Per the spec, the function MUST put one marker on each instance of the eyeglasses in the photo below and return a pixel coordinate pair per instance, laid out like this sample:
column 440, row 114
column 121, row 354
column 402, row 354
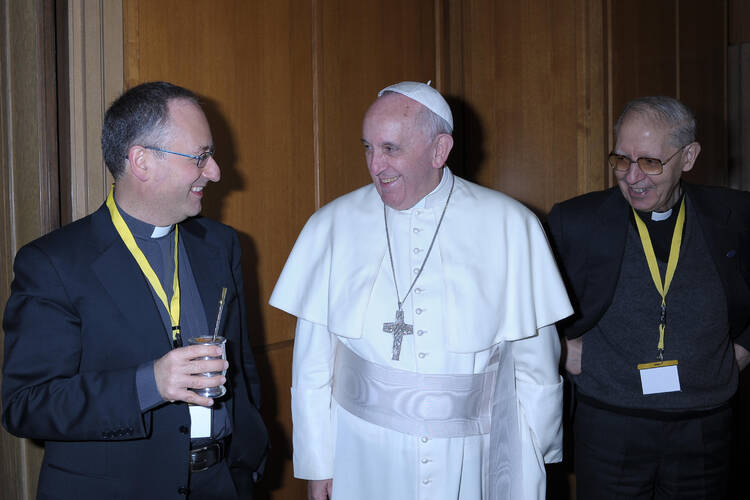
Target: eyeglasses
column 200, row 160
column 649, row 166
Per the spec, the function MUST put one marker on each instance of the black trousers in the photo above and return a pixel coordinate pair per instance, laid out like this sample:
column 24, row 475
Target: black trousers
column 214, row 483
column 625, row 457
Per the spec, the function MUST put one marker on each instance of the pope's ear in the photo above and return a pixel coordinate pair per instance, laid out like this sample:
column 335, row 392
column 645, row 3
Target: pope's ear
column 691, row 153
column 138, row 162
column 443, row 146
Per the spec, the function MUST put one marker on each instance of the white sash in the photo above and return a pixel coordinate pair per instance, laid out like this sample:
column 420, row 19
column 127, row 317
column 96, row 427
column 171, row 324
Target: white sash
column 436, row 406
column 440, row 406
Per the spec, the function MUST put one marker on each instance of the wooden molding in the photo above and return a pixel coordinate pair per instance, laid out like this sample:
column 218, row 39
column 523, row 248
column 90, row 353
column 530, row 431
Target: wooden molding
column 91, row 77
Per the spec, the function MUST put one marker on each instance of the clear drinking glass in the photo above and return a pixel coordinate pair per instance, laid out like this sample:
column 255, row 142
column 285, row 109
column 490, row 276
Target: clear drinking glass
column 219, row 390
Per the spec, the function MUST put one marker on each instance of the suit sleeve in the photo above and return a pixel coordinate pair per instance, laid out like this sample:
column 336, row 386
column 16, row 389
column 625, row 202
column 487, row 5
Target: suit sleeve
column 45, row 394
column 249, row 435
column 248, row 360
column 567, row 262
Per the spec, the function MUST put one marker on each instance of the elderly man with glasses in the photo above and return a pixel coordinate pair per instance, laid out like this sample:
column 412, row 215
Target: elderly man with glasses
column 659, row 273
column 97, row 361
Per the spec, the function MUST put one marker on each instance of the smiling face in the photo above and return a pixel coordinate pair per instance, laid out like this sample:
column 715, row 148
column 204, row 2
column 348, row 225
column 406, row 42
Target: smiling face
column 177, row 183
column 640, row 135
column 404, row 163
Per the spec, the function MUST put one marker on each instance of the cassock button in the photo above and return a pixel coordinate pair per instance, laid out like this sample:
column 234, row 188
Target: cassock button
column 416, row 230
column 421, row 332
column 424, row 439
column 418, row 310
column 418, row 290
column 415, row 270
column 425, row 481
column 422, row 355
column 424, row 460
column 184, row 429
column 416, row 251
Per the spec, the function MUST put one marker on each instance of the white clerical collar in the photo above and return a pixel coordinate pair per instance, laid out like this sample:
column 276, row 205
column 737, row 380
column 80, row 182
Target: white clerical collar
column 437, row 196
column 160, row 231
column 659, row 216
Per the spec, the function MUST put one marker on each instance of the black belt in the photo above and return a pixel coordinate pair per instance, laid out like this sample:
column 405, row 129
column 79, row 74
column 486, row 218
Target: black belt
column 208, row 455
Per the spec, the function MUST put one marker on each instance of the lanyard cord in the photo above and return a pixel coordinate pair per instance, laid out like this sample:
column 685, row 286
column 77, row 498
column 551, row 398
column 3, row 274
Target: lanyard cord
column 674, row 256
column 173, row 308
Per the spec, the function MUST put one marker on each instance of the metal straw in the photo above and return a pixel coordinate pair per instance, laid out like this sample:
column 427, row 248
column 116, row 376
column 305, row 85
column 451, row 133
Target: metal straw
column 221, row 308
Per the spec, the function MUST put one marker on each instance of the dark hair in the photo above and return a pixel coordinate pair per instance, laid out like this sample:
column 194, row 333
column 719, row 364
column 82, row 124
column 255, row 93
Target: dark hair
column 139, row 116
column 666, row 110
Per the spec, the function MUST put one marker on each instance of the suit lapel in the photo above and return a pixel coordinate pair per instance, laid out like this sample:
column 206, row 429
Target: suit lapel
column 206, row 263
column 713, row 220
column 120, row 275
column 607, row 246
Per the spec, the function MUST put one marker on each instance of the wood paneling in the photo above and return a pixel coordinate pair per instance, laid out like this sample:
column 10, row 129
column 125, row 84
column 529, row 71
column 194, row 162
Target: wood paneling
column 274, row 368
column 703, row 84
column 592, row 111
column 28, row 177
column 643, row 48
column 739, row 21
column 365, row 46
column 738, row 114
column 251, row 63
column 89, row 54
column 530, row 74
column 675, row 48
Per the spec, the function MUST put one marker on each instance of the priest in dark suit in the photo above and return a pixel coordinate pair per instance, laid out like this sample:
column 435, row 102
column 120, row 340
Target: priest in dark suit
column 659, row 273
column 97, row 361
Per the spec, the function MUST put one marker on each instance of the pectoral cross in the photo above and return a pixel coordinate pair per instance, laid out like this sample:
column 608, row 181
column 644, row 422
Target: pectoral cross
column 398, row 328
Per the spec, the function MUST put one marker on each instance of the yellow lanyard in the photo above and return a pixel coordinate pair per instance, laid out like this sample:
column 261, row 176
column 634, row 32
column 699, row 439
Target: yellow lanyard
column 674, row 256
column 172, row 308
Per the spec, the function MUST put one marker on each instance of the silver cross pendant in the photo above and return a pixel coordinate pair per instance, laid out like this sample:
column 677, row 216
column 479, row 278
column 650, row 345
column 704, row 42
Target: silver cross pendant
column 398, row 329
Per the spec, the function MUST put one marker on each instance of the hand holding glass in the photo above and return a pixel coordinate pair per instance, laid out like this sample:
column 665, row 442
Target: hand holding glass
column 219, row 390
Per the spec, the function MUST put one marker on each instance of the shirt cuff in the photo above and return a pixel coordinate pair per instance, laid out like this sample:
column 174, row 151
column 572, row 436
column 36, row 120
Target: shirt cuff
column 145, row 383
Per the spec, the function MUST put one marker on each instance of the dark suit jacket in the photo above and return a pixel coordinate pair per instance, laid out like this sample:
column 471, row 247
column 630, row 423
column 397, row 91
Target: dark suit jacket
column 80, row 320
column 588, row 235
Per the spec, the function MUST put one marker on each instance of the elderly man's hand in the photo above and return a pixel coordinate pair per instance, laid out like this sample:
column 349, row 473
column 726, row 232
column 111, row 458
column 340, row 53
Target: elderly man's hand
column 319, row 489
column 742, row 356
column 174, row 373
column 573, row 351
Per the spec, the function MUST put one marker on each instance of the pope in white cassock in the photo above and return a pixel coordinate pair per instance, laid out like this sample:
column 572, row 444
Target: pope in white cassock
column 426, row 357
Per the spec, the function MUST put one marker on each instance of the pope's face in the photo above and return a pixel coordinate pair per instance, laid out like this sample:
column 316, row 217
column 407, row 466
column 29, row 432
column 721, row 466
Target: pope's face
column 400, row 157
column 641, row 136
column 179, row 183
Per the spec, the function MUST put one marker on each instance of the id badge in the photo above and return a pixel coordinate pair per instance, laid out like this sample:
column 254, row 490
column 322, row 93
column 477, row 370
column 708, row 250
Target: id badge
column 200, row 421
column 659, row 376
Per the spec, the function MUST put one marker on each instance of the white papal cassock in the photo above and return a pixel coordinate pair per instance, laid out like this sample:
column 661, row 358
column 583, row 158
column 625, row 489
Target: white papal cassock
column 489, row 291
